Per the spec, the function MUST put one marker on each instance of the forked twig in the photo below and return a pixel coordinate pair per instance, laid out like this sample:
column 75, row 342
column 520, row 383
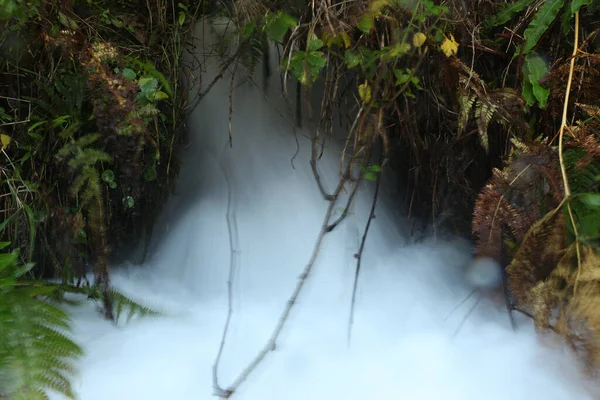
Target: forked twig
column 272, row 342
column 233, row 257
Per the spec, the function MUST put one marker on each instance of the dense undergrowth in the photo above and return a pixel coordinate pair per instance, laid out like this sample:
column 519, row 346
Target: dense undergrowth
column 488, row 112
column 91, row 115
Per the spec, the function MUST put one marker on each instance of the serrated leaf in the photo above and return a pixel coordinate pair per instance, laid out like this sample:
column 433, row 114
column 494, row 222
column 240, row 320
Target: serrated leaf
column 545, row 15
column 315, row 44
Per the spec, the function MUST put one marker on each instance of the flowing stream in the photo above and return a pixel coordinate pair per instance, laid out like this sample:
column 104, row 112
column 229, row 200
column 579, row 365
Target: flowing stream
column 246, row 207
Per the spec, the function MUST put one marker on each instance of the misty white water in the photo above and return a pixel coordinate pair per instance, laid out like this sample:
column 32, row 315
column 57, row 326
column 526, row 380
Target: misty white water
column 404, row 345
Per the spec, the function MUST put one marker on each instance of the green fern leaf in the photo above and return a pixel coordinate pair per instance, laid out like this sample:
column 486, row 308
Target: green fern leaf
column 508, row 12
column 541, row 21
column 466, row 104
column 36, row 352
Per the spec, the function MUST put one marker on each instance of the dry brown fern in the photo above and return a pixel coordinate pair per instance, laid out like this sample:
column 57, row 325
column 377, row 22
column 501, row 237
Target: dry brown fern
column 512, row 202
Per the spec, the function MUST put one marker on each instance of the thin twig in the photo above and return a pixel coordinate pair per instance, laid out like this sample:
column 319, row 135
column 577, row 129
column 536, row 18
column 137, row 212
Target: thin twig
column 233, row 257
column 360, row 251
column 231, row 106
column 467, row 315
column 272, row 342
column 216, row 78
column 346, row 210
column 463, row 301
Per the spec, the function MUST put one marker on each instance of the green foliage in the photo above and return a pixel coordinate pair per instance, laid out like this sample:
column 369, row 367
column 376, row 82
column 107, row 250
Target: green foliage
column 545, row 15
column 146, row 69
column 21, row 10
column 370, row 172
column 584, row 181
column 534, row 69
column 36, row 352
column 306, row 65
column 508, row 12
column 278, row 24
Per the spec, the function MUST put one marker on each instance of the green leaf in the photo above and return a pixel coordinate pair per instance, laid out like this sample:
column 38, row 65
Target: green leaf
column 128, row 201
column 534, row 69
column 31, row 219
column 315, row 59
column 129, row 73
column 589, row 226
column 577, row 4
column 248, row 29
column 366, row 23
column 314, row 45
column 148, row 85
column 528, row 92
column 278, row 26
column 157, row 95
column 545, row 15
column 508, row 12
column 181, row 18
column 150, row 174
column 399, row 50
column 590, row 199
column 108, row 176
column 351, row 58
column 401, row 77
column 370, row 176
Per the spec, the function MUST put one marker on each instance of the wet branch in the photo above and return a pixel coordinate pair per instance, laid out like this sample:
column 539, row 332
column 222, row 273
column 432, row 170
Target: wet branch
column 216, row 78
column 233, row 255
column 360, row 251
column 272, row 342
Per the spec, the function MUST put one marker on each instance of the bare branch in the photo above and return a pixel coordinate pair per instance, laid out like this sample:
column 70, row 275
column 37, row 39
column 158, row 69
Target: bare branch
column 272, row 342
column 360, row 252
column 233, row 258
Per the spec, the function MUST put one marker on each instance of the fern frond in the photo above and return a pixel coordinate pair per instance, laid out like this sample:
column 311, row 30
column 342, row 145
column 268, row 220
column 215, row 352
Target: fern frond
column 123, row 303
column 72, row 147
column 36, row 352
column 484, row 112
column 465, row 103
column 89, row 156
